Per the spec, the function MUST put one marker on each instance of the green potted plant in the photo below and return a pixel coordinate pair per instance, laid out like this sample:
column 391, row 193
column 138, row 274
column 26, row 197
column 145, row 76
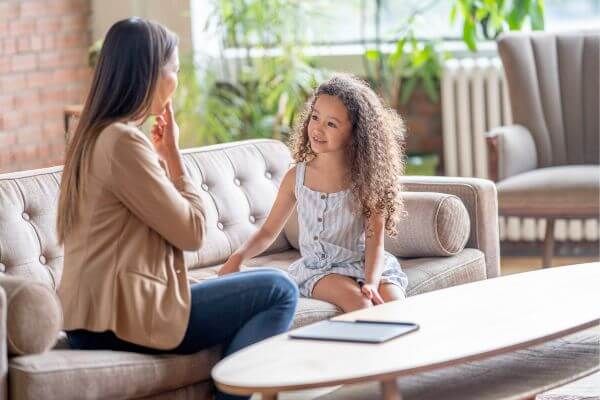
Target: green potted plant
column 487, row 19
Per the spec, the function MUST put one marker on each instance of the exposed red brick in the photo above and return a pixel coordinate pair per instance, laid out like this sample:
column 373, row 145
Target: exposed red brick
column 23, row 44
column 11, row 120
column 5, row 64
column 51, row 94
column 77, row 22
column 10, row 9
column 21, row 27
column 48, row 41
column 8, row 139
column 60, row 7
column 28, row 135
column 27, row 100
column 70, row 40
column 6, row 102
column 9, row 46
column 39, row 78
column 48, row 25
column 13, row 82
column 37, row 43
column 43, row 67
column 33, row 8
column 24, row 62
column 50, row 59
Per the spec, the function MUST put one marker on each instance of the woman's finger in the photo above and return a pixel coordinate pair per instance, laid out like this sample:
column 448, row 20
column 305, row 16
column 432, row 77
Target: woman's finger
column 170, row 118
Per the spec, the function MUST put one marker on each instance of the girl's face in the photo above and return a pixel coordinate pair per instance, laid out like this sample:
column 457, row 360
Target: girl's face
column 329, row 128
column 166, row 85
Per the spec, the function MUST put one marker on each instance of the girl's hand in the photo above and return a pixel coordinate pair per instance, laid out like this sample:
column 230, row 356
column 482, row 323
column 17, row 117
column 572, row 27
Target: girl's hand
column 370, row 291
column 165, row 133
column 233, row 264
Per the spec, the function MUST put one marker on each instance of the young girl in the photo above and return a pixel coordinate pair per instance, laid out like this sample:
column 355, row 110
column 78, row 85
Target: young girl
column 348, row 154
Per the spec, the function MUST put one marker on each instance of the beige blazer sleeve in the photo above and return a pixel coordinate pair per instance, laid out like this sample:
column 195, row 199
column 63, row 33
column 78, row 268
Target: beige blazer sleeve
column 173, row 209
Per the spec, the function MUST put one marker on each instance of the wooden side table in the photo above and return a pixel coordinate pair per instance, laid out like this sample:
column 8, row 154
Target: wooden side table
column 72, row 111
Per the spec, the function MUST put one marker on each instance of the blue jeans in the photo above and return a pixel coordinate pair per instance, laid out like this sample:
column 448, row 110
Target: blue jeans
column 235, row 311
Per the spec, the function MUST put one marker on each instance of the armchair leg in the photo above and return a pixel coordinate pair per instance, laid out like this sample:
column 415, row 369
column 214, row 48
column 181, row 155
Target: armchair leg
column 548, row 244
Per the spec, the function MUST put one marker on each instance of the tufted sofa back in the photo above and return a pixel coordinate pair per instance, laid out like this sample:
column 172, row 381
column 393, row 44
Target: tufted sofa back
column 237, row 181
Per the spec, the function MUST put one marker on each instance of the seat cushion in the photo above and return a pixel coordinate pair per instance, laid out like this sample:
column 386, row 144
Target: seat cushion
column 424, row 274
column 565, row 191
column 432, row 273
column 308, row 310
column 74, row 374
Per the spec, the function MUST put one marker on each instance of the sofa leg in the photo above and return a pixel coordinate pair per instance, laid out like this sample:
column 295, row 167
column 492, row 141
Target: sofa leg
column 548, row 244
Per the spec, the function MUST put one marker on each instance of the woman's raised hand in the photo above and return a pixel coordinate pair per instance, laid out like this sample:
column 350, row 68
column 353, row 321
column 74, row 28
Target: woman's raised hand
column 165, row 133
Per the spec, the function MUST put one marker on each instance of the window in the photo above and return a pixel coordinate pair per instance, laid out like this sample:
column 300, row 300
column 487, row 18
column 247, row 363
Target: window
column 353, row 21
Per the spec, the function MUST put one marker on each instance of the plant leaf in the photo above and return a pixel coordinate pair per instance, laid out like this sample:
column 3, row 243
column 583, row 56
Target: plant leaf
column 536, row 14
column 469, row 35
column 407, row 89
column 520, row 9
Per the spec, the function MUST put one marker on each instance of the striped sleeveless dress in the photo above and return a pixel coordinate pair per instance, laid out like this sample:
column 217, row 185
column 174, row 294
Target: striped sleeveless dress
column 332, row 239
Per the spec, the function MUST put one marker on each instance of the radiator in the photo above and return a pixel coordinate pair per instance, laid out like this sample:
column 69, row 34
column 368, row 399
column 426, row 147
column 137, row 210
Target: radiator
column 475, row 100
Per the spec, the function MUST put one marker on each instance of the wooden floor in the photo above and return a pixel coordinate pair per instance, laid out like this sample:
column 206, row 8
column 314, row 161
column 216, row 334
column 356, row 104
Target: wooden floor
column 513, row 264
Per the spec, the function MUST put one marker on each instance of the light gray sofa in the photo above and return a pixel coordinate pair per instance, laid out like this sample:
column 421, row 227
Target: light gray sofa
column 238, row 182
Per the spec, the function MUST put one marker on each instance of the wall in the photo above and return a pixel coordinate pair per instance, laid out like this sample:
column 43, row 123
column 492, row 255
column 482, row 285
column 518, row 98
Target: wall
column 174, row 14
column 43, row 67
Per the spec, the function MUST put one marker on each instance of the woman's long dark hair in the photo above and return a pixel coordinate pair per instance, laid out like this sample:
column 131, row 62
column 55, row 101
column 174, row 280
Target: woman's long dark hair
column 129, row 65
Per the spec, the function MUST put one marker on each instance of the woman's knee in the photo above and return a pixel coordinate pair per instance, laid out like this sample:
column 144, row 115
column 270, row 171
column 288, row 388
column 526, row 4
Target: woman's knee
column 283, row 282
column 273, row 278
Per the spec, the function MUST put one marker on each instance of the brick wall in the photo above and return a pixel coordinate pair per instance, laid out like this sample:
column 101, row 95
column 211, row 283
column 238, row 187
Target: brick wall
column 43, row 67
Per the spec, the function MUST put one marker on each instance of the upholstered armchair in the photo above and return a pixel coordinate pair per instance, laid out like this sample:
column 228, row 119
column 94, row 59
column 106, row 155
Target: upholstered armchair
column 547, row 164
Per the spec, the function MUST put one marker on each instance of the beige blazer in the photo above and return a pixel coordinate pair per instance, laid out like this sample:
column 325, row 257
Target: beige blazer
column 123, row 261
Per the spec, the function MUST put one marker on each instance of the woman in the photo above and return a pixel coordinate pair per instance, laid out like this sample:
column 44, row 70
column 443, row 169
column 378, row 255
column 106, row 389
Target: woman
column 127, row 211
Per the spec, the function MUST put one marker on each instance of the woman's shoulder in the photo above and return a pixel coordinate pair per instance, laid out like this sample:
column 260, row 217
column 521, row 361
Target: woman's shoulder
column 119, row 133
column 120, row 138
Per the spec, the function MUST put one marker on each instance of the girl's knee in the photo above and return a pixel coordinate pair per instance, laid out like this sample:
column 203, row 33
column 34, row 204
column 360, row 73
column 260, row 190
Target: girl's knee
column 357, row 302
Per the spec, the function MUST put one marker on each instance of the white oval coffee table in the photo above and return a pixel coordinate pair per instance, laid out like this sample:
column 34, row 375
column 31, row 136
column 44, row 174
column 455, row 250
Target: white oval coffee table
column 459, row 324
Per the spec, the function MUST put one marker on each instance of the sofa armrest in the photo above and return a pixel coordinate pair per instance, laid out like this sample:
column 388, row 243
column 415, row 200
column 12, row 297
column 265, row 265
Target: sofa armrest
column 511, row 151
column 3, row 351
column 480, row 198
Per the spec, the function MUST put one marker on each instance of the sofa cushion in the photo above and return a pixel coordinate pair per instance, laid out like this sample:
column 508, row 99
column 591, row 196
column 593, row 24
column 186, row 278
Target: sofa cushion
column 565, row 191
column 424, row 274
column 238, row 183
column 28, row 241
column 307, row 311
column 432, row 273
column 75, row 374
column 34, row 315
column 435, row 224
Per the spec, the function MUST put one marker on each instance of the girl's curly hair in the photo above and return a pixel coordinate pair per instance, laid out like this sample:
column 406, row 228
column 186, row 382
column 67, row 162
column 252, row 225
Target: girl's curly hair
column 375, row 151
